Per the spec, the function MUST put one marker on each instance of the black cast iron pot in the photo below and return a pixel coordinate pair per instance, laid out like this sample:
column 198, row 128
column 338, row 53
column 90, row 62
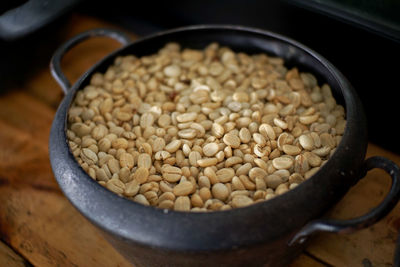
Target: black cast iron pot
column 272, row 232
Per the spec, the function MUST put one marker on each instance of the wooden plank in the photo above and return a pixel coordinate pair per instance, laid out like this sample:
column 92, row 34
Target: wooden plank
column 35, row 218
column 9, row 258
column 43, row 227
column 374, row 245
column 306, row 261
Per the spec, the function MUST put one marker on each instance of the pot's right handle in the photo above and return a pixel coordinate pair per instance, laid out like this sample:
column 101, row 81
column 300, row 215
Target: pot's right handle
column 348, row 226
column 55, row 63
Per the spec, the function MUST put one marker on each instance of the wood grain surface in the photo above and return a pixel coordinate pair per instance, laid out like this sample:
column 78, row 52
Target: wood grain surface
column 38, row 226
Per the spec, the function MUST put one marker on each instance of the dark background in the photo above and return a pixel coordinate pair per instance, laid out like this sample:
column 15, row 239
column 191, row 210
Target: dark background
column 367, row 56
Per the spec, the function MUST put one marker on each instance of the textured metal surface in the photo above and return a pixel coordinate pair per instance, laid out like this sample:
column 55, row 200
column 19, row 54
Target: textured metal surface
column 249, row 236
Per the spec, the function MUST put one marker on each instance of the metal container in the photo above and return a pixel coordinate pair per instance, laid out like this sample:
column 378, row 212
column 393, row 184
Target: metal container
column 269, row 233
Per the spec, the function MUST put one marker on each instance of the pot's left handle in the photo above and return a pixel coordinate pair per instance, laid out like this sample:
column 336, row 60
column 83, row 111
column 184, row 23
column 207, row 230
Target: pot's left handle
column 55, row 63
column 374, row 215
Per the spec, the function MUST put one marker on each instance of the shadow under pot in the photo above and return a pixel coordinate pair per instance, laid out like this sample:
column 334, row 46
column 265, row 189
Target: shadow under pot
column 270, row 233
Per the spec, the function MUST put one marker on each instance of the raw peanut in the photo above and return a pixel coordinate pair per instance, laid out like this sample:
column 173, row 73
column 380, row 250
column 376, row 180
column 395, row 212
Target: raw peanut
column 231, row 140
column 206, row 162
column 183, row 188
column 220, row 191
column 141, row 175
column 240, row 201
column 225, row 175
column 182, row 203
column 210, row 149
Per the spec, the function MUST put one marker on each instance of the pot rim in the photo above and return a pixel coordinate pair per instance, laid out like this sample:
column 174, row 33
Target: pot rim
column 65, row 171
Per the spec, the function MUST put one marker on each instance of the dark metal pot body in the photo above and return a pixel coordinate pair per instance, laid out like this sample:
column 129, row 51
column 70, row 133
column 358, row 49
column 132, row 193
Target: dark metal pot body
column 252, row 236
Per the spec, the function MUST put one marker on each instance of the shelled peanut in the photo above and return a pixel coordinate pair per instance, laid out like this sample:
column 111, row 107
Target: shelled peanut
column 203, row 130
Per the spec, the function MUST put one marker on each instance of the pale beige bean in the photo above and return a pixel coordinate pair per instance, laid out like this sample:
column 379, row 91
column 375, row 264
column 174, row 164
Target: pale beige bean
column 306, row 141
column 260, row 184
column 204, row 181
column 282, row 163
column 171, row 174
column 183, row 188
column 220, row 191
column 88, row 156
column 240, row 97
column 273, row 181
column 233, row 161
column 322, row 152
column 196, row 201
column 146, row 120
column 187, row 133
column 311, row 172
column 124, row 175
column 164, row 120
column 173, row 146
column 327, row 140
column 126, row 160
column 259, row 139
column 141, row 199
column 231, row 140
column 244, row 169
column 217, row 130
column 166, row 196
column 267, row 131
column 296, row 178
column 207, row 162
column 225, row 175
column 308, row 119
column 144, row 160
column 237, row 184
column 257, row 172
column 205, row 194
column 101, row 175
column 280, row 123
column 210, row 149
column 240, row 201
column 172, row 71
column 182, row 203
column 80, row 129
column 261, row 163
column 166, row 204
column 186, row 117
column 132, row 188
column 291, row 149
column 116, row 186
column 212, row 176
column 282, row 188
column 244, row 135
column 248, row 184
column 141, row 175
column 113, row 165
column 313, row 159
column 158, row 144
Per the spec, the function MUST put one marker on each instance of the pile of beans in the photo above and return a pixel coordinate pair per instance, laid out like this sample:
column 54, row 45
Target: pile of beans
column 203, row 130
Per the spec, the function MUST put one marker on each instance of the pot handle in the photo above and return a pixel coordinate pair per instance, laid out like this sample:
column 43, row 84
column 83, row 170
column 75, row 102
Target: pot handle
column 351, row 225
column 55, row 63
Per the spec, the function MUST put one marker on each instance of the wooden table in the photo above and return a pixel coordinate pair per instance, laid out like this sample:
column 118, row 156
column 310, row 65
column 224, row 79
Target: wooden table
column 39, row 226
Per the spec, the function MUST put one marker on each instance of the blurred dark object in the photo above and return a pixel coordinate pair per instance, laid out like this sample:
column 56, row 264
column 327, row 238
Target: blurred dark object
column 25, row 19
column 10, row 4
column 381, row 17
